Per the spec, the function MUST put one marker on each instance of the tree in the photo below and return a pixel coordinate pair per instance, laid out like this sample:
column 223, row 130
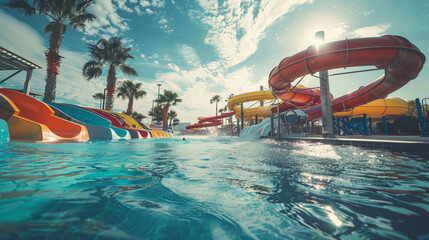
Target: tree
column 61, row 13
column 156, row 113
column 412, row 109
column 169, row 98
column 114, row 54
column 227, row 100
column 215, row 99
column 98, row 96
column 176, row 121
column 171, row 116
column 131, row 91
column 138, row 116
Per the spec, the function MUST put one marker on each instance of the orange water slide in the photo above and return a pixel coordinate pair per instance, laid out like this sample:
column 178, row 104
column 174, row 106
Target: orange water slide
column 400, row 59
column 34, row 120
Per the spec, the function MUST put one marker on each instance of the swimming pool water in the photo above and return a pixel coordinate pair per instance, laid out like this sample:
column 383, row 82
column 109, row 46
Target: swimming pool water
column 211, row 188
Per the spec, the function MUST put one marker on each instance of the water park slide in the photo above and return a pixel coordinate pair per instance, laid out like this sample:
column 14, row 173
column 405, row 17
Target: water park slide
column 400, row 59
column 35, row 120
column 234, row 103
column 98, row 127
column 115, row 122
column 205, row 124
column 131, row 122
column 379, row 108
column 210, row 121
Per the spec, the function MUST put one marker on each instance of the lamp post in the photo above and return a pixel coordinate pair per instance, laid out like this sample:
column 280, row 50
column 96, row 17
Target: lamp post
column 325, row 96
column 159, row 85
column 104, row 97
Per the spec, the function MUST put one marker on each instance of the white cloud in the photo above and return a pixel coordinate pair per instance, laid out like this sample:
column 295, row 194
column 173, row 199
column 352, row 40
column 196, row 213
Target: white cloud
column 138, row 11
column 144, row 3
column 173, row 67
column 122, row 6
column 371, row 31
column 158, row 3
column 156, row 62
column 235, row 28
column 142, row 55
column 163, row 21
column 148, row 11
column 189, row 55
column 106, row 20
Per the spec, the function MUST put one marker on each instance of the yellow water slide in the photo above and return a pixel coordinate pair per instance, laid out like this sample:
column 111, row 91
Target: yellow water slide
column 262, row 111
column 379, row 108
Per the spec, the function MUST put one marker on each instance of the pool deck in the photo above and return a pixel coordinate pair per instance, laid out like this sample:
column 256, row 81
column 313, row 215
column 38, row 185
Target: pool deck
column 390, row 142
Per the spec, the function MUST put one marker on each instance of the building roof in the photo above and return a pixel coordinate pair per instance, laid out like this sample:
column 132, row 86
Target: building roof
column 12, row 61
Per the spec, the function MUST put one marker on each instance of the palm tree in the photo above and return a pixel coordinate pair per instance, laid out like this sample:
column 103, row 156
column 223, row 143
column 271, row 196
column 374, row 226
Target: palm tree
column 169, row 98
column 176, row 121
column 98, row 96
column 171, row 116
column 61, row 13
column 227, row 100
column 138, row 116
column 215, row 99
column 156, row 113
column 112, row 53
column 131, row 91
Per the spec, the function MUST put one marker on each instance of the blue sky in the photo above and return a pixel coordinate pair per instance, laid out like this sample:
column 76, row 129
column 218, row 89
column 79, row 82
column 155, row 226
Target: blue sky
column 202, row 48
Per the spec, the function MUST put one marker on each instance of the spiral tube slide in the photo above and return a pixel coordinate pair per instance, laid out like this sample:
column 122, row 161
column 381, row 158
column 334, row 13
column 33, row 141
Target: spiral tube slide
column 264, row 111
column 400, row 59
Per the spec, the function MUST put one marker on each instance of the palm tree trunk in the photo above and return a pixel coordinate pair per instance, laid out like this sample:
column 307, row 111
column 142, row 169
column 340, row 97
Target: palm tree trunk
column 216, row 108
column 164, row 116
column 53, row 62
column 130, row 106
column 111, row 82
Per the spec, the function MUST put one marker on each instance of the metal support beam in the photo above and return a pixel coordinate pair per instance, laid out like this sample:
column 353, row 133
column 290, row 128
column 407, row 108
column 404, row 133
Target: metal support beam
column 278, row 122
column 27, row 84
column 13, row 74
column 421, row 119
column 385, row 125
column 242, row 116
column 261, row 103
column 325, row 97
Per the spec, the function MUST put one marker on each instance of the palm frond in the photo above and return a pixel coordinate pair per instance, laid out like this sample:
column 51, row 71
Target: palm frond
column 92, row 69
column 128, row 70
column 78, row 22
column 22, row 5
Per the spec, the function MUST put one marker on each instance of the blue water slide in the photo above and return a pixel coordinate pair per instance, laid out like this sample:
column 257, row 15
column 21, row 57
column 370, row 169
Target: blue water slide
column 4, row 131
column 97, row 126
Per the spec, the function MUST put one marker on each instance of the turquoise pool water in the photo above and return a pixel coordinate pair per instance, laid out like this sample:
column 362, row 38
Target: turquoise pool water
column 211, row 188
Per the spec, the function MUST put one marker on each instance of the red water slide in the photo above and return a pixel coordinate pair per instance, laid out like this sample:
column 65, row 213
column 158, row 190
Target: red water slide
column 400, row 59
column 210, row 121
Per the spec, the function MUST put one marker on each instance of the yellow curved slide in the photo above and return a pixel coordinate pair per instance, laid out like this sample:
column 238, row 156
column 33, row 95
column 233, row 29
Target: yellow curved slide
column 379, row 108
column 263, row 111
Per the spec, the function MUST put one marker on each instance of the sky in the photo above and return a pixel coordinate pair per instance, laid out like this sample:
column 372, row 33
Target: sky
column 204, row 48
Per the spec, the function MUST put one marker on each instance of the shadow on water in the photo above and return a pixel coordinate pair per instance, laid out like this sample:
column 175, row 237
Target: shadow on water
column 352, row 192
